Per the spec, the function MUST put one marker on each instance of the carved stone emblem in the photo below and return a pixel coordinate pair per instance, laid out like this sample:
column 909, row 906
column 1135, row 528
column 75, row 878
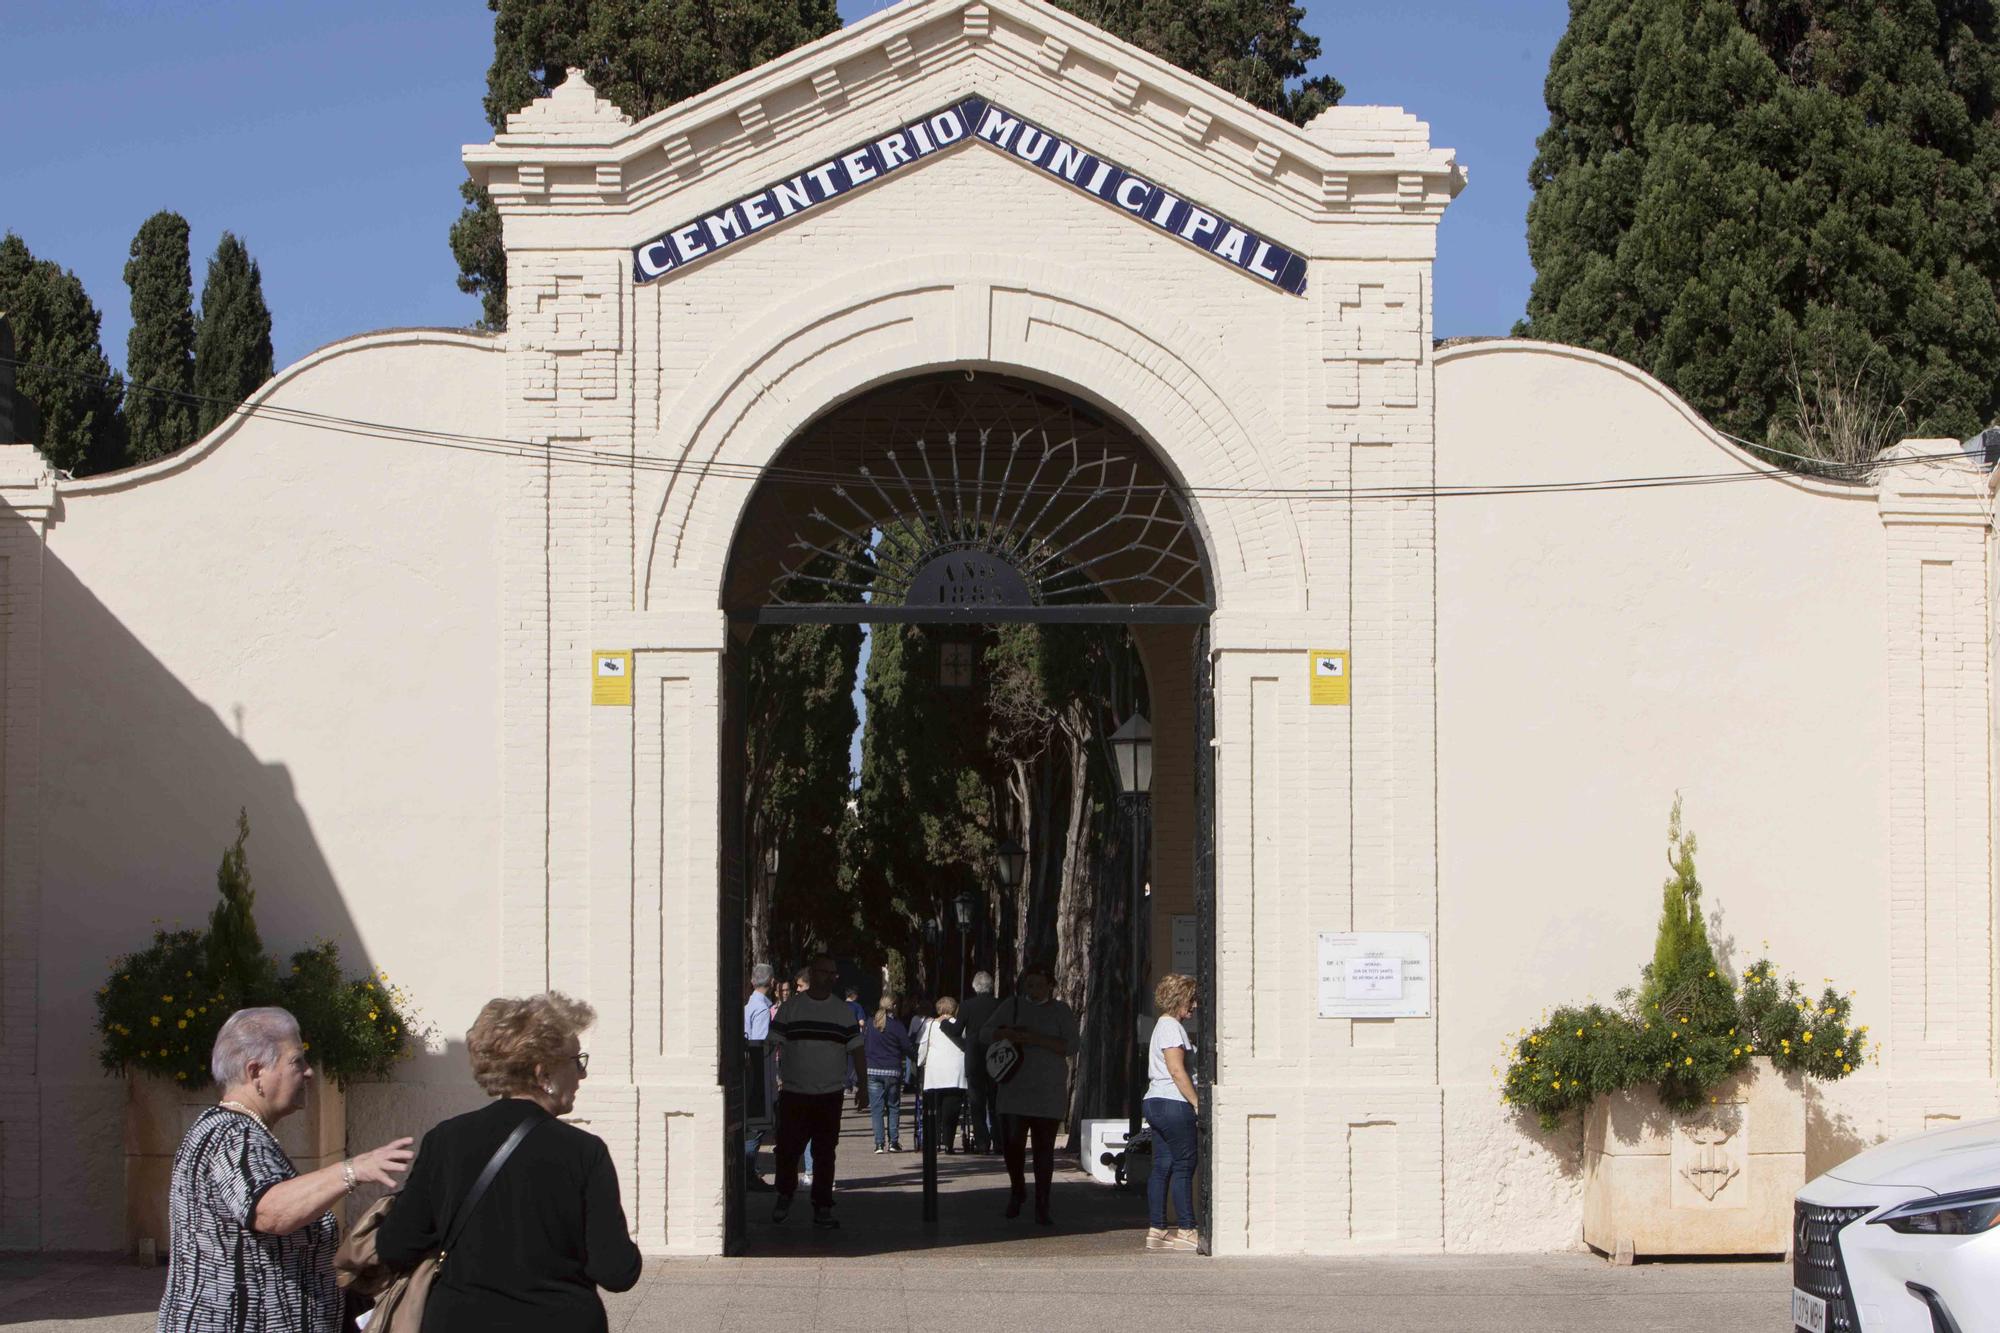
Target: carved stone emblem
column 1708, row 1169
column 1709, row 1152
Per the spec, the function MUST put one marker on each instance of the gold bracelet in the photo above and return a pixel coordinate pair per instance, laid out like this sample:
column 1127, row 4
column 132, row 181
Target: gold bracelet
column 347, row 1174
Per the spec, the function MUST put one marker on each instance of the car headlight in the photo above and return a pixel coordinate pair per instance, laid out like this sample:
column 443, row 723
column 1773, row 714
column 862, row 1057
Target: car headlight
column 1963, row 1214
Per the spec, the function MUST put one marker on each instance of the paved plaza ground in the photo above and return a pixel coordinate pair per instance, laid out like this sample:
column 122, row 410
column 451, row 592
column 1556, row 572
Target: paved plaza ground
column 884, row 1271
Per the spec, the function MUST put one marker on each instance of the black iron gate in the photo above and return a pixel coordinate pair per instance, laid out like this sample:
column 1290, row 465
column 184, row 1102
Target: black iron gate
column 729, row 945
column 1204, row 917
column 954, row 499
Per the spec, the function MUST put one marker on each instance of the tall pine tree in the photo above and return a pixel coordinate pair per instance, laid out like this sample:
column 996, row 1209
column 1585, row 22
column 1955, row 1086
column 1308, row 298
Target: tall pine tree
column 1783, row 210
column 64, row 373
column 159, row 354
column 232, row 341
column 644, row 55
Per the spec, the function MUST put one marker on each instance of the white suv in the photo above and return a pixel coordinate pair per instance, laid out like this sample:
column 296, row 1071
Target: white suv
column 1904, row 1238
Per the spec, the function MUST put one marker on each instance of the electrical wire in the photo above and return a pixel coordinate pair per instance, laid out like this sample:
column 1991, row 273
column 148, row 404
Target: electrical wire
column 555, row 452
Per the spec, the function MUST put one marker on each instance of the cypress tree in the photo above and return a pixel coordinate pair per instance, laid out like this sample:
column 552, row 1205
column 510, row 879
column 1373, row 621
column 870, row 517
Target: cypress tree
column 232, row 341
column 648, row 54
column 1783, row 211
column 64, row 373
column 238, row 967
column 1252, row 49
column 159, row 355
column 640, row 54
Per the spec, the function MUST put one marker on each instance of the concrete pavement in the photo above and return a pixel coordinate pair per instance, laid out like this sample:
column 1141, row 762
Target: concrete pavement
column 885, row 1272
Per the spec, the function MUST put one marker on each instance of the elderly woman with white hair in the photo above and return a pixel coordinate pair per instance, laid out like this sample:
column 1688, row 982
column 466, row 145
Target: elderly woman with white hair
column 253, row 1240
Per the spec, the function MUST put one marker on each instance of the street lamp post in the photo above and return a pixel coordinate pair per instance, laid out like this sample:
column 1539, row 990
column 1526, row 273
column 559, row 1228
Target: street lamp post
column 962, row 908
column 1132, row 756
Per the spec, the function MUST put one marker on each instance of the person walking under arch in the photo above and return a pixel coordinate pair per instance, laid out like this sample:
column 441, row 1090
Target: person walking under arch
column 817, row 1041
column 888, row 1045
column 1172, row 1106
column 1034, row 1098
column 982, row 1127
column 941, row 1057
column 757, row 1027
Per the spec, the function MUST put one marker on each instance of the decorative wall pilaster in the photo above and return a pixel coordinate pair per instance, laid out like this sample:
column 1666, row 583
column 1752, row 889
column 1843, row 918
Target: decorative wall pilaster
column 1939, row 540
column 27, row 504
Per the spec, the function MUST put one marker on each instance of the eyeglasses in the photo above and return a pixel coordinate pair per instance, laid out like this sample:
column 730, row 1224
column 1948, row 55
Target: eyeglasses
column 583, row 1062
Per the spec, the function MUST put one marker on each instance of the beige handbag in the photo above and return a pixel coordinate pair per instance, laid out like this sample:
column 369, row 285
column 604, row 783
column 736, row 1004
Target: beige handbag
column 400, row 1297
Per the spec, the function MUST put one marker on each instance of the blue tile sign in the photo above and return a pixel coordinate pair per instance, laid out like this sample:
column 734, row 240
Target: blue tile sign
column 973, row 120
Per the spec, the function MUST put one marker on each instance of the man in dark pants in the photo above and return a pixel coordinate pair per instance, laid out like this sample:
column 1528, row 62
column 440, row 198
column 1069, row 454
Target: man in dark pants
column 980, row 1122
column 818, row 1040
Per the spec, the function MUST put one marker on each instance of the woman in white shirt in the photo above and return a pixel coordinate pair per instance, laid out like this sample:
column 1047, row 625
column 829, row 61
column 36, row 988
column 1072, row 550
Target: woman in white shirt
column 1171, row 1108
column 941, row 1054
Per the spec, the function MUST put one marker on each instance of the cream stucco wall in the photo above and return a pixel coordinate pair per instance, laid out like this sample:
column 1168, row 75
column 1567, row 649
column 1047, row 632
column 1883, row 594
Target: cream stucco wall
column 1600, row 651
column 296, row 620
column 382, row 647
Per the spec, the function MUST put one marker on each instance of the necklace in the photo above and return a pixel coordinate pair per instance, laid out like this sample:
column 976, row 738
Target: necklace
column 244, row 1110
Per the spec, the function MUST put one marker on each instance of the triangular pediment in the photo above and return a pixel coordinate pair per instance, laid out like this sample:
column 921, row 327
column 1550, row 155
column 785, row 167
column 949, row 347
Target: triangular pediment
column 574, row 153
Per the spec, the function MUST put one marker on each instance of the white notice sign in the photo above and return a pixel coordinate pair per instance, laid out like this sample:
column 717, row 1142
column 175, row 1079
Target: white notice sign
column 1374, row 978
column 1374, row 974
column 1184, row 954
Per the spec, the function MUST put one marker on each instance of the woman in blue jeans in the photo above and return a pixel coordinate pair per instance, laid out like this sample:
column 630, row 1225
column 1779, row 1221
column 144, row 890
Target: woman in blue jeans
column 1171, row 1108
column 888, row 1044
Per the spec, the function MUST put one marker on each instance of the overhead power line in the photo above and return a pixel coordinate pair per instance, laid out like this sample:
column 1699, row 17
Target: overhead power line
column 582, row 455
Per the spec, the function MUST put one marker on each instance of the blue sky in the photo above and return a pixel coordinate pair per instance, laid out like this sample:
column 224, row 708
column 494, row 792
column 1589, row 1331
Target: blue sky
column 327, row 137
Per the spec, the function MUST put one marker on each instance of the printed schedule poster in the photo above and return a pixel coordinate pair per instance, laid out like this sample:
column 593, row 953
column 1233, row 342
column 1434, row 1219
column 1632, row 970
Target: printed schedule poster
column 1375, row 974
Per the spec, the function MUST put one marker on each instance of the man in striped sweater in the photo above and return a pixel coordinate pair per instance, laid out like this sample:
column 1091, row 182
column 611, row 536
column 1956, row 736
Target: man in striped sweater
column 818, row 1041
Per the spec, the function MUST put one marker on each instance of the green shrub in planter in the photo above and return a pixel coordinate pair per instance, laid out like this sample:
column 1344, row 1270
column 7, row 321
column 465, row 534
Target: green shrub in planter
column 159, row 1011
column 1686, row 1028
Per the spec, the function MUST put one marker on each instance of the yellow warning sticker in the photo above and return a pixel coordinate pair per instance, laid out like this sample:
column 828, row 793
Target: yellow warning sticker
column 611, row 678
column 1329, row 677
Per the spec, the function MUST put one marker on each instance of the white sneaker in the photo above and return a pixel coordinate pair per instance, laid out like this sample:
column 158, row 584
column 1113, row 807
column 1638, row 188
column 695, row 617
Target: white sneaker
column 805, row 1177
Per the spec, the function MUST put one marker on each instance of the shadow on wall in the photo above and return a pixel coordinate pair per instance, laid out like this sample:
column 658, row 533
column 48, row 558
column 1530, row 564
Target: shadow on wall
column 140, row 785
column 1832, row 1136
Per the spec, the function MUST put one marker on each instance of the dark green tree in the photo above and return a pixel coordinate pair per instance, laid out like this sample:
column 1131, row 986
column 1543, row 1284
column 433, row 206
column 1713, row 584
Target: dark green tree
column 240, row 971
column 642, row 55
column 64, row 374
column 800, row 720
column 159, row 354
column 1257, row 50
column 1783, row 210
column 232, row 341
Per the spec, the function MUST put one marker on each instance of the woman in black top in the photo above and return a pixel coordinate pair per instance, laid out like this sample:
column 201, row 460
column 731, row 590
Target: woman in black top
column 550, row 1229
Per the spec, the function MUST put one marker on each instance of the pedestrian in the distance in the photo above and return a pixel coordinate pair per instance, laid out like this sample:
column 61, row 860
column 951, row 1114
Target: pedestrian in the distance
column 1172, row 1106
column 982, row 1133
column 817, row 1043
column 941, row 1056
column 1033, row 1100
column 252, row 1240
column 757, row 1027
column 888, row 1045
column 549, row 1230
column 799, row 986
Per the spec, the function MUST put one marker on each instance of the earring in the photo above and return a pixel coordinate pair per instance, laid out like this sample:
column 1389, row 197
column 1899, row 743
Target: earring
column 549, row 1088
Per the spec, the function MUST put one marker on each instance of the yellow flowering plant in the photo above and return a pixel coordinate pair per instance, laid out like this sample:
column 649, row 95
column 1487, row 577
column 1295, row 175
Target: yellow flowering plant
column 160, row 1009
column 1685, row 1029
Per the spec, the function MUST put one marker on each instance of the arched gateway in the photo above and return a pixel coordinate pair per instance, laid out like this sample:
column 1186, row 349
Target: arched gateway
column 1001, row 190
column 452, row 616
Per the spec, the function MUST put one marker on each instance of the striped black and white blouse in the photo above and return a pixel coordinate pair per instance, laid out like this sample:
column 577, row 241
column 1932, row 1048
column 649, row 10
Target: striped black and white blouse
column 223, row 1276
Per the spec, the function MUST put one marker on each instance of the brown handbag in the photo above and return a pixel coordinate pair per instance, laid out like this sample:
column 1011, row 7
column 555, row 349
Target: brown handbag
column 400, row 1297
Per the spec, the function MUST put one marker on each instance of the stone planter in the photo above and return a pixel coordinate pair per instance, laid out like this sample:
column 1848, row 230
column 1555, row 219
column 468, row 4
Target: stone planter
column 1718, row 1180
column 157, row 1115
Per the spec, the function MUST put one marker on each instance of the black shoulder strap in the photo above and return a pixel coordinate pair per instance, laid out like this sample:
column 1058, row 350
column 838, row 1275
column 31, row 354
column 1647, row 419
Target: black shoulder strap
column 500, row 1156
